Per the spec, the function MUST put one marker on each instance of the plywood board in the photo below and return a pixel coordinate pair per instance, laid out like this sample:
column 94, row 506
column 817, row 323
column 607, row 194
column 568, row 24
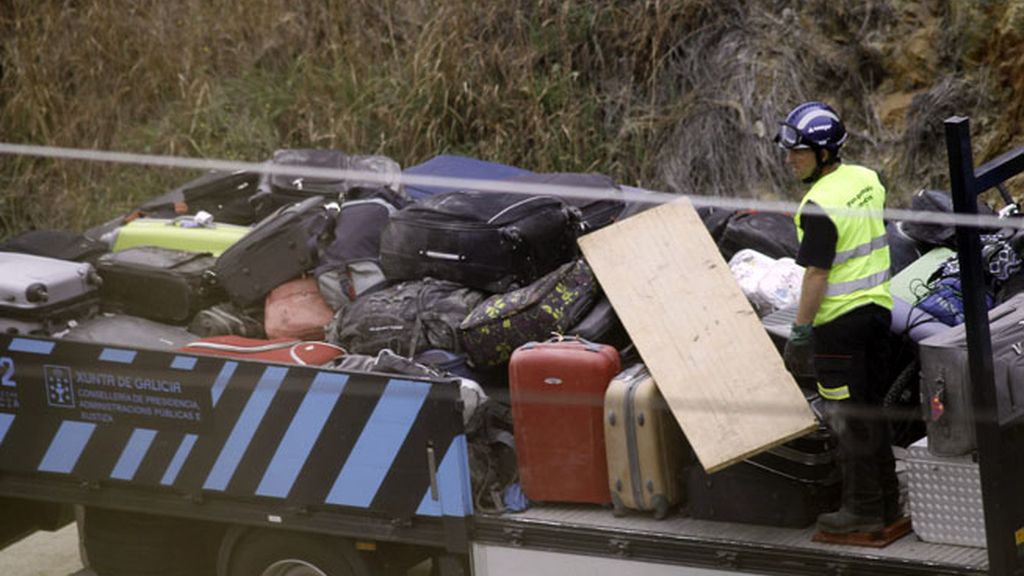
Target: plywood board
column 701, row 340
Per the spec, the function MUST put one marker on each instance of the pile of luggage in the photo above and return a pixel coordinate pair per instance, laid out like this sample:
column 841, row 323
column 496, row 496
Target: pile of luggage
column 332, row 273
column 488, row 288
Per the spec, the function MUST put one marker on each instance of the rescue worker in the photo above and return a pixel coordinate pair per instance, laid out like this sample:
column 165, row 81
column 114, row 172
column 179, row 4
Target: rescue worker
column 842, row 326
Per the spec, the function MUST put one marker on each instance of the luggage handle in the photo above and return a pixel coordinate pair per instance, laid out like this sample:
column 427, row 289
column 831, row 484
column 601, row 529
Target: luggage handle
column 590, row 346
column 494, row 219
column 201, row 219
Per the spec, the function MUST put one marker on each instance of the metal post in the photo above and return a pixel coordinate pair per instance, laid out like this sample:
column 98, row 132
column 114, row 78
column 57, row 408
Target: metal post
column 997, row 497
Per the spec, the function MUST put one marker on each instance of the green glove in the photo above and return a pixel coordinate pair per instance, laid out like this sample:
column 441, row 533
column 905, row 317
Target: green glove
column 799, row 352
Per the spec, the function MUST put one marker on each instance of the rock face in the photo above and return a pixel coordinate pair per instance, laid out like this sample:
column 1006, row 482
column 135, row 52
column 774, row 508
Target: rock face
column 894, row 69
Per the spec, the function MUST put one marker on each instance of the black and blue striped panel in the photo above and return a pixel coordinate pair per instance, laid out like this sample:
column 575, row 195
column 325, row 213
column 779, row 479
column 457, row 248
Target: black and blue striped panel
column 291, row 434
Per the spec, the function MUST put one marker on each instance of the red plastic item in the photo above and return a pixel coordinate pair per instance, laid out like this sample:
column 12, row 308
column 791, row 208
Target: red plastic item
column 296, row 310
column 281, row 350
column 557, row 391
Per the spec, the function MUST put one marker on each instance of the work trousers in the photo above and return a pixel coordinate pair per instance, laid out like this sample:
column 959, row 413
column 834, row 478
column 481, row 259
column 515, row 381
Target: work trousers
column 851, row 358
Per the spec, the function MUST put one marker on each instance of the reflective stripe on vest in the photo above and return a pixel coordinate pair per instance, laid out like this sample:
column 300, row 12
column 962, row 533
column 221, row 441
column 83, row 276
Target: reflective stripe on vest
column 839, row 393
column 843, row 288
column 862, row 250
column 860, row 268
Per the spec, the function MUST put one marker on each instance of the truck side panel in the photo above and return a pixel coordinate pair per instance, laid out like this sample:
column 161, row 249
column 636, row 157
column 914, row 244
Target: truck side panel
column 280, row 437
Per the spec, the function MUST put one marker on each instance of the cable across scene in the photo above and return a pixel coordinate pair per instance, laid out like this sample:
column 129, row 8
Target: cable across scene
column 626, row 193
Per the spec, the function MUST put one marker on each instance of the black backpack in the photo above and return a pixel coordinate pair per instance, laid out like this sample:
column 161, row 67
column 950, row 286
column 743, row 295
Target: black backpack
column 407, row 318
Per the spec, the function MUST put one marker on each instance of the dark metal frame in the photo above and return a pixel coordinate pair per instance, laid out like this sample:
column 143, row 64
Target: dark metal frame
column 1000, row 445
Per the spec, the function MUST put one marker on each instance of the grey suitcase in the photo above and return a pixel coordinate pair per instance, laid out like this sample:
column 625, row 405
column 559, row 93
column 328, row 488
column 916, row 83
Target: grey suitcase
column 40, row 295
column 945, row 380
column 132, row 331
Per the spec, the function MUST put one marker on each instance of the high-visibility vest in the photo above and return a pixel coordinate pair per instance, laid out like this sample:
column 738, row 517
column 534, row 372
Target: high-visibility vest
column 860, row 270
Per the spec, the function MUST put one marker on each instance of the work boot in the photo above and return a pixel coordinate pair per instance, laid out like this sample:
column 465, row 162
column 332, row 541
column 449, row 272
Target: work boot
column 844, row 521
column 893, row 512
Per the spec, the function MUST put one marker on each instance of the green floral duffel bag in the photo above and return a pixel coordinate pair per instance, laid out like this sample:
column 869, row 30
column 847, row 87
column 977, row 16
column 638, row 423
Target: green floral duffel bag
column 503, row 322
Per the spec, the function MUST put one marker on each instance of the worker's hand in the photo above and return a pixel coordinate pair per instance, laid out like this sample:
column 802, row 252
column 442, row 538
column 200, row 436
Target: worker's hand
column 799, row 351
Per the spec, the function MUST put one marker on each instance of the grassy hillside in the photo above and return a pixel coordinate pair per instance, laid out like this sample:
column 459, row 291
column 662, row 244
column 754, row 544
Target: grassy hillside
column 681, row 96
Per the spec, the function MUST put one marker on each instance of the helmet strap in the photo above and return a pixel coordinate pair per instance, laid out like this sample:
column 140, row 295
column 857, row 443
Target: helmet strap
column 819, row 165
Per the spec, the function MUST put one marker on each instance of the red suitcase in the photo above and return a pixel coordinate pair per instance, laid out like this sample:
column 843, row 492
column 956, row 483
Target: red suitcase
column 557, row 391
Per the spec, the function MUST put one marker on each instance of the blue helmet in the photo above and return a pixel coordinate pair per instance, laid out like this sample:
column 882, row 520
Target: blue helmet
column 812, row 125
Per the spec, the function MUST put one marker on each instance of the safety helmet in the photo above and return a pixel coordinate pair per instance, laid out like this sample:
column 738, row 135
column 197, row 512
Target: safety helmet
column 812, row 125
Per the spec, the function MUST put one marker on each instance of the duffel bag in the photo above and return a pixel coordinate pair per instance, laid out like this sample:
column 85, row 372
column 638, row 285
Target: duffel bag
column 503, row 322
column 407, row 318
column 57, row 244
column 349, row 265
column 494, row 242
column 296, row 309
column 769, row 233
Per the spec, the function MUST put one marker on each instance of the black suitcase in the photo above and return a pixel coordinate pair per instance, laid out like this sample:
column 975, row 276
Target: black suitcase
column 280, row 189
column 225, row 195
column 157, row 283
column 494, row 242
column 56, row 244
column 281, row 247
column 596, row 211
column 787, row 486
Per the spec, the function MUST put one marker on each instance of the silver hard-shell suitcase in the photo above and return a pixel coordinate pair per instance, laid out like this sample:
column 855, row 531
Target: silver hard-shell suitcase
column 945, row 379
column 40, row 295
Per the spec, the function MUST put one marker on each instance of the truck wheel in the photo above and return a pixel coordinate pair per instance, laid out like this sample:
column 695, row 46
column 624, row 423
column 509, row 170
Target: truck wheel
column 281, row 553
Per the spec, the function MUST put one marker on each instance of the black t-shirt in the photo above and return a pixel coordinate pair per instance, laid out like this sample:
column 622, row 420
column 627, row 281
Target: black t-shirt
column 818, row 248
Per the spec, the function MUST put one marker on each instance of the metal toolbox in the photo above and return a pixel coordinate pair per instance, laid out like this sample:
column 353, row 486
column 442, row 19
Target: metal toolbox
column 945, row 497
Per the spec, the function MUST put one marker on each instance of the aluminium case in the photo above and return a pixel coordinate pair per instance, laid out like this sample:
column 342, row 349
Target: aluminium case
column 945, row 497
column 946, row 397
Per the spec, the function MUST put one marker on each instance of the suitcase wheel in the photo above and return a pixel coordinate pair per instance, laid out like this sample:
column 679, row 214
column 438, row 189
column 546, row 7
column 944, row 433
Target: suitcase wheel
column 618, row 508
column 660, row 507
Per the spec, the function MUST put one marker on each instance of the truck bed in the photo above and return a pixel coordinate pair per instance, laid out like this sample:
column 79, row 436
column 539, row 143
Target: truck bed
column 593, row 530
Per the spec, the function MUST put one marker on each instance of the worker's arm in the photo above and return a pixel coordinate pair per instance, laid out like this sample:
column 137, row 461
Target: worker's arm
column 812, row 292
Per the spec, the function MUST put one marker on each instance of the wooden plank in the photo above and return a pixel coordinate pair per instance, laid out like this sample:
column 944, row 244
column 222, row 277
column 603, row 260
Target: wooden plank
column 699, row 336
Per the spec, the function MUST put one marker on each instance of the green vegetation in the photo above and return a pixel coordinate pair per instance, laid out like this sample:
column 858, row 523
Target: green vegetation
column 679, row 96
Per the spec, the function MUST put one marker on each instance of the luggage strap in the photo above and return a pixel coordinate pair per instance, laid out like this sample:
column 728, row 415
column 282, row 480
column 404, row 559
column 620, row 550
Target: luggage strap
column 290, row 344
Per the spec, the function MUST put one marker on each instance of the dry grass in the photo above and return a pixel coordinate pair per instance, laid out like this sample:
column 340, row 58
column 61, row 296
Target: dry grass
column 672, row 95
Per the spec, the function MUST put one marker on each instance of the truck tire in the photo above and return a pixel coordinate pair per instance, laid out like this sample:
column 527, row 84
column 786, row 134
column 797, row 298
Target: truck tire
column 280, row 553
